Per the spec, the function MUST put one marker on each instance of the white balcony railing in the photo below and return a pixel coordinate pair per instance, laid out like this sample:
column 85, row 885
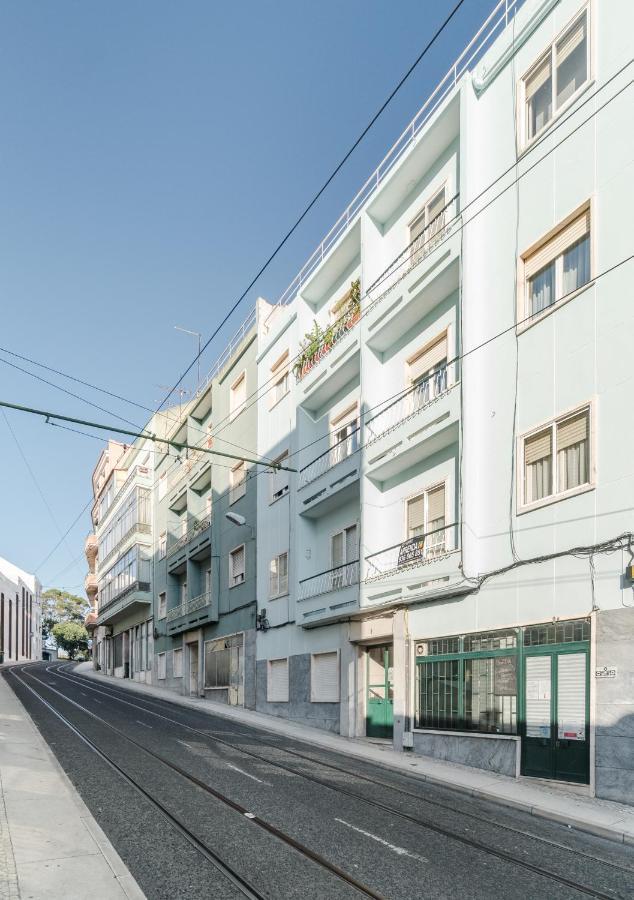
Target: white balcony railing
column 334, row 455
column 189, row 606
column 190, row 534
column 331, row 580
column 410, row 553
column 421, row 395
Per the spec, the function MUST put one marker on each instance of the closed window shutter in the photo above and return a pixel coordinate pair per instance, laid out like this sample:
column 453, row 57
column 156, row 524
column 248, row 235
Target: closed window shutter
column 277, row 687
column 572, row 431
column 553, row 248
column 569, row 43
column 416, row 515
column 436, row 504
column 538, row 78
column 571, row 696
column 351, row 544
column 436, row 206
column 538, row 447
column 417, row 227
column 336, row 549
column 325, row 678
column 428, row 358
column 237, row 563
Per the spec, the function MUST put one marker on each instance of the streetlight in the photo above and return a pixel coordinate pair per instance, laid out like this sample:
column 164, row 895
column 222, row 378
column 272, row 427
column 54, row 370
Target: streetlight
column 198, row 335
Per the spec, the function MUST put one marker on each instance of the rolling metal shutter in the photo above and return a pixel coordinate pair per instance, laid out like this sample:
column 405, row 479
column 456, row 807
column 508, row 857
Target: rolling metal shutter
column 324, row 687
column 277, row 686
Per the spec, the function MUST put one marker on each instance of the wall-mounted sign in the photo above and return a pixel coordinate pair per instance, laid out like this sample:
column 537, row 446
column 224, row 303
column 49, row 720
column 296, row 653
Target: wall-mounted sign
column 411, row 551
column 606, row 672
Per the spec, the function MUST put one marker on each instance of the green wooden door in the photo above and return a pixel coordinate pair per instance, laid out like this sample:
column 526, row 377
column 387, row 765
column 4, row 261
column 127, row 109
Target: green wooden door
column 380, row 698
column 555, row 733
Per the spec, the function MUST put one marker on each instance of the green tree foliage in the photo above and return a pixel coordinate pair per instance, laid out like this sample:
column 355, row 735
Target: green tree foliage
column 71, row 637
column 60, row 606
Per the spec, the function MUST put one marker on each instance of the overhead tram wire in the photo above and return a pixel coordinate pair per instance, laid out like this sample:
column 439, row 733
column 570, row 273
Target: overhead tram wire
column 316, row 197
column 478, row 197
column 65, row 535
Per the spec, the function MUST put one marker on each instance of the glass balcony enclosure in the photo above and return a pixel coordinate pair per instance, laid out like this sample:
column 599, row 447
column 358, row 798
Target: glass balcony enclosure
column 131, row 569
column 135, row 512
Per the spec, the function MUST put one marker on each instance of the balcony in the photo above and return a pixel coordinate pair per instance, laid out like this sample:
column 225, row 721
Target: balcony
column 342, row 580
column 90, row 585
column 90, row 547
column 185, row 468
column 190, row 543
column 135, row 598
column 331, row 458
column 407, row 405
column 191, row 614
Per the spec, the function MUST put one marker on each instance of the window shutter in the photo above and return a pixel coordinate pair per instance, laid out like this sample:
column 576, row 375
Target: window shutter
column 325, row 678
column 237, row 562
column 538, row 78
column 336, row 549
column 416, row 513
column 426, row 359
column 572, row 431
column 538, row 447
column 417, row 227
column 571, row 696
column 351, row 544
column 436, row 206
column 549, row 251
column 277, row 688
column 571, row 40
column 436, row 504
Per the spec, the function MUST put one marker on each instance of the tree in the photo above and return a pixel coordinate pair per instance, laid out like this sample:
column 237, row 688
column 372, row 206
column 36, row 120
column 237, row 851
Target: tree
column 60, row 606
column 71, row 637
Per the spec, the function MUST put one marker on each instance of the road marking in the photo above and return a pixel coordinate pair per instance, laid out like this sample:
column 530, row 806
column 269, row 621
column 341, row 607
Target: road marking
column 96, row 701
column 249, row 815
column 143, row 723
column 401, row 851
column 248, row 775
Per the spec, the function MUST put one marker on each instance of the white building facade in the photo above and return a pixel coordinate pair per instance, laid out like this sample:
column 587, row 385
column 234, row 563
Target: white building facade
column 450, row 376
column 20, row 614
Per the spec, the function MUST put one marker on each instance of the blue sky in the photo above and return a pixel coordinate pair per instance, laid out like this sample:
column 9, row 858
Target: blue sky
column 151, row 156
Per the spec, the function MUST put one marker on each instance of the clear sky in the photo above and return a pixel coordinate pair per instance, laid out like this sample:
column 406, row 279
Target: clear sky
column 151, row 156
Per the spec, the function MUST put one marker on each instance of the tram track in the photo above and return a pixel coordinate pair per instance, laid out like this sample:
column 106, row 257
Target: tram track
column 238, row 881
column 449, row 833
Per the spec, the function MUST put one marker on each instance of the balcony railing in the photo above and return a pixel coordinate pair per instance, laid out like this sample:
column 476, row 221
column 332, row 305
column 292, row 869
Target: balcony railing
column 331, row 580
column 130, row 588
column 322, row 342
column 190, row 606
column 136, row 472
column 335, row 454
column 421, row 395
column 413, row 552
column 189, row 535
column 185, row 467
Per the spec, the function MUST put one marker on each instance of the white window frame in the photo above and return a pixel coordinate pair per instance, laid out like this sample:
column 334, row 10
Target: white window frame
column 282, row 589
column 556, row 496
column 162, row 605
column 424, row 492
column 179, row 651
column 524, row 318
column 232, row 553
column 415, row 256
column 234, row 411
column 161, row 666
column 280, row 374
column 237, row 488
column 269, row 662
column 162, row 545
column 549, row 51
column 342, row 531
column 276, row 493
column 313, row 697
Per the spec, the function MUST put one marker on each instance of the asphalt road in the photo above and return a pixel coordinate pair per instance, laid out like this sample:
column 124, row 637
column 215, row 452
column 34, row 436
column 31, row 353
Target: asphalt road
column 199, row 806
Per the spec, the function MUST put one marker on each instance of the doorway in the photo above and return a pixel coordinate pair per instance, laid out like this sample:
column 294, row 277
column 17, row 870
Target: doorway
column 379, row 718
column 556, row 733
column 193, row 669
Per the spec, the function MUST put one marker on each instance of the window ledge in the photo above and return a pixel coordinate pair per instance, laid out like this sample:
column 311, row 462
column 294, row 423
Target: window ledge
column 474, row 734
column 279, row 596
column 536, row 139
column 525, row 324
column 556, row 498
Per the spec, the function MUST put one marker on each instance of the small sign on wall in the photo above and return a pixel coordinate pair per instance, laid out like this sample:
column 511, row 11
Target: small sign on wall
column 606, row 672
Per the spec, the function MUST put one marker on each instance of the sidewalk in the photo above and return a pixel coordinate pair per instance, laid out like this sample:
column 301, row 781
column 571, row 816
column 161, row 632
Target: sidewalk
column 569, row 806
column 50, row 845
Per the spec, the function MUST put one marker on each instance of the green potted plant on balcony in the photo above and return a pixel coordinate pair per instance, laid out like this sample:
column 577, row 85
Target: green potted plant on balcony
column 311, row 344
column 353, row 311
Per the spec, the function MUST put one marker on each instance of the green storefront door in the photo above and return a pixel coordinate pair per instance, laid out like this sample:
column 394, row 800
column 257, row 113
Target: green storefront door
column 379, row 717
column 555, row 739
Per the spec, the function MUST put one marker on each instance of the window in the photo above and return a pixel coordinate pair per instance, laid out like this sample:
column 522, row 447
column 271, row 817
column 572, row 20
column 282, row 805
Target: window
column 208, row 580
column 557, row 458
column 344, row 551
column 162, row 485
column 427, row 227
column 183, row 591
column 277, row 681
column 427, row 372
column 237, row 396
column 237, row 482
column 182, row 524
column 344, row 434
column 426, row 518
column 236, row 566
column 279, row 478
column 162, row 548
column 559, row 266
column 177, row 662
column 324, row 677
column 224, row 665
column 339, row 308
column 278, row 575
column 279, row 377
column 557, row 76
column 161, row 666
column 162, row 605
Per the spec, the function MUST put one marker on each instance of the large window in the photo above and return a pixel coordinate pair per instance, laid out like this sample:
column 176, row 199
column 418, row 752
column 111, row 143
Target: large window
column 344, row 550
column 557, row 458
column 426, row 518
column 557, row 76
column 558, row 267
column 132, row 569
column 135, row 512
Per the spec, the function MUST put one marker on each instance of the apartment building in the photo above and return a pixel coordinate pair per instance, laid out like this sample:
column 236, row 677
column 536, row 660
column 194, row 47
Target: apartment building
column 20, row 614
column 205, row 524
column 451, row 566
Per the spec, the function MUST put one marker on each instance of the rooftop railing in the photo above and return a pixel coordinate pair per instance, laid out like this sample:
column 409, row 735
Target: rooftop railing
column 190, row 534
column 331, row 580
column 417, row 398
column 415, row 551
column 499, row 18
column 228, row 352
column 331, row 457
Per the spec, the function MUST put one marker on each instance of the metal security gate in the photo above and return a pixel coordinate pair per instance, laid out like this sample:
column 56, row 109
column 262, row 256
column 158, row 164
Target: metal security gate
column 556, row 733
column 379, row 721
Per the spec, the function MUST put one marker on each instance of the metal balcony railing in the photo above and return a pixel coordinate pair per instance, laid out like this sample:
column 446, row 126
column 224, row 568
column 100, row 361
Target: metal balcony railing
column 189, row 606
column 326, row 341
column 421, row 395
column 413, row 552
column 331, row 580
column 189, row 535
column 186, row 465
column 335, row 454
column 130, row 588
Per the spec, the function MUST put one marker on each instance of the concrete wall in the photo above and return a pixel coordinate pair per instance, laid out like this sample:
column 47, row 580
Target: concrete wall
column 493, row 754
column 299, row 707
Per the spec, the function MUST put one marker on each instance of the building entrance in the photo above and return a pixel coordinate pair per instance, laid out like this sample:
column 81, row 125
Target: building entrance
column 379, row 719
